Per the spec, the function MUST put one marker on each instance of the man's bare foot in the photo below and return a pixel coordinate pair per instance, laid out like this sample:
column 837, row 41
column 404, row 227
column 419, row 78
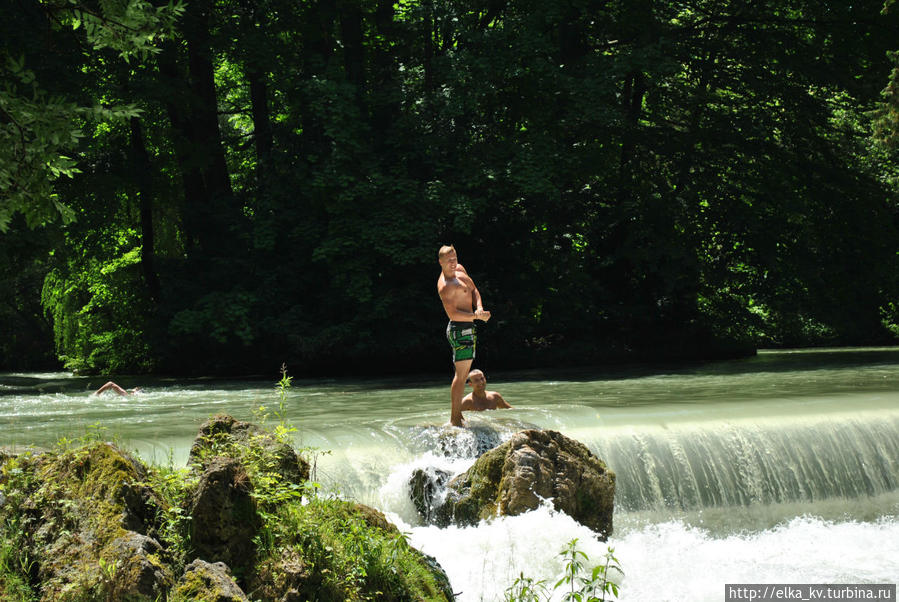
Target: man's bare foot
column 459, row 421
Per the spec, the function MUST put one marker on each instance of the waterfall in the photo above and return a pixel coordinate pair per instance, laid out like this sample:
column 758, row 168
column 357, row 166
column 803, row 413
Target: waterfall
column 752, row 461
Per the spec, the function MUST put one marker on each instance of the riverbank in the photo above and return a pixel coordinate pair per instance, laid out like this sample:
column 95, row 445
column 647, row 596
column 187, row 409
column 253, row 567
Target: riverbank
column 88, row 521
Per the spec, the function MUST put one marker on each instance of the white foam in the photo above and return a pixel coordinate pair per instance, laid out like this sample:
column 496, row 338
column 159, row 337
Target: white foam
column 667, row 561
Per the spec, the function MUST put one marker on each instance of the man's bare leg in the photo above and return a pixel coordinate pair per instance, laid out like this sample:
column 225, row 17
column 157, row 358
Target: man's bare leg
column 457, row 390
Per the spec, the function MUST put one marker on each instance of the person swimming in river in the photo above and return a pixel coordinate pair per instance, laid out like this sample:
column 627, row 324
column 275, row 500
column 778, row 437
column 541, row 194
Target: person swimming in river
column 112, row 386
column 480, row 398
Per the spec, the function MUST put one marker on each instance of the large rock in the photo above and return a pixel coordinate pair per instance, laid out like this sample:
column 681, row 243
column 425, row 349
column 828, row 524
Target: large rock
column 210, row 582
column 533, row 466
column 224, row 435
column 224, row 517
column 86, row 518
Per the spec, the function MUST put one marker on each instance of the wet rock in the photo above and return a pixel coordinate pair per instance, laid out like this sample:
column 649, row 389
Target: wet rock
column 210, row 582
column 222, row 433
column 534, row 465
column 426, row 486
column 469, row 442
column 224, row 518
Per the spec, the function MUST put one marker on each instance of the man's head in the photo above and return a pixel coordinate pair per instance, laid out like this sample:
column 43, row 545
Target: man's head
column 446, row 256
column 477, row 380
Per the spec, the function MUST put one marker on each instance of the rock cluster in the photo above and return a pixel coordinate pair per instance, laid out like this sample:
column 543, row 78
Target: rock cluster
column 91, row 527
column 519, row 475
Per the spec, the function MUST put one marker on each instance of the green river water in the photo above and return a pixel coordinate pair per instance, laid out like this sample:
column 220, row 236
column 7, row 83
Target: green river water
column 779, row 468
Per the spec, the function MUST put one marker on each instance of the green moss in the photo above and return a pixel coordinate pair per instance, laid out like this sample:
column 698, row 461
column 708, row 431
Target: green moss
column 194, row 586
column 72, row 505
column 480, row 491
column 64, row 512
column 347, row 552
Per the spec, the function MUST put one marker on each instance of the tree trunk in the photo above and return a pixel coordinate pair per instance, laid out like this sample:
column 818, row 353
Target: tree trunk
column 428, row 39
column 318, row 45
column 632, row 105
column 177, row 100
column 142, row 167
column 205, row 114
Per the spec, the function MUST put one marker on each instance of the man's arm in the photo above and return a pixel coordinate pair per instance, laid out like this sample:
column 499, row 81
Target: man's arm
column 501, row 403
column 466, row 403
column 113, row 386
column 455, row 314
column 475, row 293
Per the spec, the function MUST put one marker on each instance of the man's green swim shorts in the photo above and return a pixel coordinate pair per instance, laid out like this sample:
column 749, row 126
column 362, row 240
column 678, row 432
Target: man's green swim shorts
column 462, row 338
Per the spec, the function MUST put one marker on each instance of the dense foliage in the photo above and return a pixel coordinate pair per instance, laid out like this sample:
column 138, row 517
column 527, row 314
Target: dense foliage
column 242, row 183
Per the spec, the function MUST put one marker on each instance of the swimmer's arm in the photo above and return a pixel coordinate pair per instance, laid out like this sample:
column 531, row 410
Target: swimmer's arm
column 466, row 403
column 113, row 386
column 502, row 404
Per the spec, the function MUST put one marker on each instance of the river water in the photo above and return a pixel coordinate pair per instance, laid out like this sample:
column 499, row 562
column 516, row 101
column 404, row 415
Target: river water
column 782, row 468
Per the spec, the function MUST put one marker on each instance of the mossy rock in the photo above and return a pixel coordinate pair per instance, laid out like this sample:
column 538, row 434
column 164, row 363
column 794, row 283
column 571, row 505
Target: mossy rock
column 223, row 434
column 207, row 582
column 534, row 465
column 224, row 516
column 90, row 527
column 333, row 550
column 86, row 522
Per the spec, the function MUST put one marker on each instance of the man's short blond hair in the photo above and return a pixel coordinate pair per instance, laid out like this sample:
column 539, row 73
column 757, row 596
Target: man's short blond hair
column 475, row 371
column 444, row 251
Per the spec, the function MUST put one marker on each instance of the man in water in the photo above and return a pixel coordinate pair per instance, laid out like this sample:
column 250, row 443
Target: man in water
column 480, row 398
column 116, row 388
column 463, row 306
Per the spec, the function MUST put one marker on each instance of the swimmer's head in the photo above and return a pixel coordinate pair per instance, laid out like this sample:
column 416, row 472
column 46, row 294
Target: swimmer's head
column 476, row 379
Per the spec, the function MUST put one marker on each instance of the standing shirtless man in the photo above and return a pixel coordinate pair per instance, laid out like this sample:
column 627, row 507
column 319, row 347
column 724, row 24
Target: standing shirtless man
column 463, row 306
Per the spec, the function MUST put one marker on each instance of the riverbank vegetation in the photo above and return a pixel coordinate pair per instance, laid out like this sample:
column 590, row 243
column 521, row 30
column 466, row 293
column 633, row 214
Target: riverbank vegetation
column 220, row 187
column 88, row 521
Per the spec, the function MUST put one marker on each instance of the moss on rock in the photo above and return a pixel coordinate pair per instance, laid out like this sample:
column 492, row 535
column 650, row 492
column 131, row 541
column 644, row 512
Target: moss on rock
column 207, row 582
column 93, row 523
column 84, row 517
column 332, row 550
column 534, row 465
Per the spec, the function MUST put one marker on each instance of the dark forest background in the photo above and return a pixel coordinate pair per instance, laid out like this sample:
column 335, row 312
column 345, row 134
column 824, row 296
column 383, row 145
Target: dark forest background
column 221, row 186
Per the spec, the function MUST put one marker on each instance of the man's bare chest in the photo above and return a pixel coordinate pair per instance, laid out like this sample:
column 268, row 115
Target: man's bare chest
column 461, row 284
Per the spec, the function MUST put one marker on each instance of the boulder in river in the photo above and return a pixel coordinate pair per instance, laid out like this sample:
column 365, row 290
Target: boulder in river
column 91, row 522
column 533, row 466
column 426, row 485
